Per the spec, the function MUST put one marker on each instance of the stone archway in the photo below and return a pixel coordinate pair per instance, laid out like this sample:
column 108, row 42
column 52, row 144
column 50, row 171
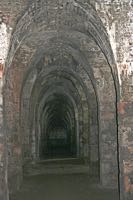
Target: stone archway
column 58, row 48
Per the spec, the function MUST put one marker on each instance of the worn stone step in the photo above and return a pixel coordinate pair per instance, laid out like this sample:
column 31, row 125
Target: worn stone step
column 56, row 166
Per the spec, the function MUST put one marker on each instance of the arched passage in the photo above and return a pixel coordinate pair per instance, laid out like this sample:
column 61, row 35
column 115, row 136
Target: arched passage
column 58, row 138
column 66, row 86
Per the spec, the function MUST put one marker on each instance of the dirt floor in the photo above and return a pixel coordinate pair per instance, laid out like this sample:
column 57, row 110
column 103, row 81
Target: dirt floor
column 63, row 187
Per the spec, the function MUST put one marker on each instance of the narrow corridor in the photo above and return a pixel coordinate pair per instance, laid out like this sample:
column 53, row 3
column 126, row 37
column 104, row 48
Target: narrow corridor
column 61, row 97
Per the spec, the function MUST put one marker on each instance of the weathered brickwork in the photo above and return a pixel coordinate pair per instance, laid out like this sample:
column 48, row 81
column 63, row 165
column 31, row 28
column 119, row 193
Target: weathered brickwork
column 69, row 60
column 4, row 44
column 117, row 17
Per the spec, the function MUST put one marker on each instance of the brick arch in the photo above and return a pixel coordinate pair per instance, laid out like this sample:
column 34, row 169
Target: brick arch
column 90, row 21
column 19, row 60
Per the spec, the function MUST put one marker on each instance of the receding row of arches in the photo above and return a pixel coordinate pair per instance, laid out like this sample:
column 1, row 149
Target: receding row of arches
column 61, row 82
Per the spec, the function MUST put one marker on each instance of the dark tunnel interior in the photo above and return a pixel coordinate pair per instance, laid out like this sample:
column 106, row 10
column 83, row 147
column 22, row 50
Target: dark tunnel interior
column 58, row 132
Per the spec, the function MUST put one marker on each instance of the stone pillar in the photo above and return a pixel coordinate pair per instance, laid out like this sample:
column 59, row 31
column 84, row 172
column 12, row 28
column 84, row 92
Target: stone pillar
column 3, row 148
column 4, row 43
column 126, row 149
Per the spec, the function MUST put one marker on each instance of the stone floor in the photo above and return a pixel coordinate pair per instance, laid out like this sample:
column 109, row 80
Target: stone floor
column 62, row 184
column 62, row 187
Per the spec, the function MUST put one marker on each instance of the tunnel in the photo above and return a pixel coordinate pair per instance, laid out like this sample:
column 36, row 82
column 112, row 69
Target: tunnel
column 64, row 102
column 58, row 132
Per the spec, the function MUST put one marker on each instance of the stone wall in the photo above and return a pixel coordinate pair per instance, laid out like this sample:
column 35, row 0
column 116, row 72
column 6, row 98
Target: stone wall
column 4, row 43
column 117, row 17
